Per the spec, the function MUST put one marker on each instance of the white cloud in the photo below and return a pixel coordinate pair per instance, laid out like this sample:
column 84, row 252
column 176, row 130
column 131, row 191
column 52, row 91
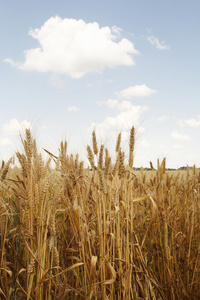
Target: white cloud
column 15, row 127
column 191, row 122
column 111, row 103
column 75, row 48
column 163, row 118
column 5, row 142
column 136, row 91
column 124, row 105
column 155, row 42
column 73, row 108
column 179, row 137
column 121, row 123
column 10, row 61
column 115, row 104
column 116, row 30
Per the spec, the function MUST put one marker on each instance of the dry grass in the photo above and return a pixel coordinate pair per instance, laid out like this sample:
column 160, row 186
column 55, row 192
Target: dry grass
column 109, row 233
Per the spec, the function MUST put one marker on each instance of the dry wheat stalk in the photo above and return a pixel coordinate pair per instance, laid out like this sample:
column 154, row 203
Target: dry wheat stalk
column 76, row 162
column 22, row 161
column 53, row 226
column 118, row 142
column 80, row 170
column 102, row 185
column 151, row 165
column 63, row 148
column 90, row 157
column 31, row 265
column 121, row 163
column 116, row 165
column 131, row 146
column 94, row 142
column 107, row 166
column 56, row 256
column 100, row 161
column 5, row 169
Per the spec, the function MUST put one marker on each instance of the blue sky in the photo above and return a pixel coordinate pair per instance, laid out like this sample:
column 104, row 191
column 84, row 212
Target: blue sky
column 68, row 67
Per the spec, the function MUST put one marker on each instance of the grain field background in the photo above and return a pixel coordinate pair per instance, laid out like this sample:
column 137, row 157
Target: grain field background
column 105, row 232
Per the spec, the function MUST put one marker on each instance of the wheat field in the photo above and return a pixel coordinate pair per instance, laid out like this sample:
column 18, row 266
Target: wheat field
column 104, row 232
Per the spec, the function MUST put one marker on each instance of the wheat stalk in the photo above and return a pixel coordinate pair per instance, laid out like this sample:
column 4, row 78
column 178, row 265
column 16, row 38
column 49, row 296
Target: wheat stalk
column 94, row 142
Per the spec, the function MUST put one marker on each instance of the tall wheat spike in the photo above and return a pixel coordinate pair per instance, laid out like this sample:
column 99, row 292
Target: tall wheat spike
column 100, row 161
column 90, row 157
column 131, row 146
column 94, row 142
column 121, row 164
column 118, row 142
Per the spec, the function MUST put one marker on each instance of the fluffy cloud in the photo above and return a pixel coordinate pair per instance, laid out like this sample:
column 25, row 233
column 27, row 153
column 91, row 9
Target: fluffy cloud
column 10, row 61
column 111, row 103
column 180, row 137
column 75, row 48
column 73, row 108
column 115, row 104
column 15, row 127
column 155, row 42
column 191, row 122
column 124, row 105
column 136, row 91
column 116, row 30
column 121, row 123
